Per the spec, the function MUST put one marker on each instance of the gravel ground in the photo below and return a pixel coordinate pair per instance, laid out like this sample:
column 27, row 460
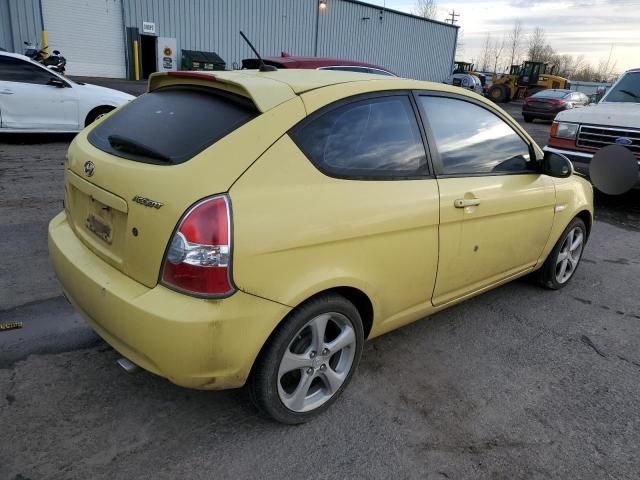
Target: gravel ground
column 517, row 383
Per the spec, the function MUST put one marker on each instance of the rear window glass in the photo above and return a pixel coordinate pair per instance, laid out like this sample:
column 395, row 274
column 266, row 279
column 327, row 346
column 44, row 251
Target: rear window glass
column 551, row 94
column 171, row 125
column 372, row 138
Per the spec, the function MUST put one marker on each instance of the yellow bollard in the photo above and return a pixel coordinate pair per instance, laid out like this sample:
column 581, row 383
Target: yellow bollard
column 45, row 43
column 136, row 63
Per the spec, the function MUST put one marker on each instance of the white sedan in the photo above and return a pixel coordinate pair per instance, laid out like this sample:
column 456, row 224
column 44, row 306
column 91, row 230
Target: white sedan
column 35, row 99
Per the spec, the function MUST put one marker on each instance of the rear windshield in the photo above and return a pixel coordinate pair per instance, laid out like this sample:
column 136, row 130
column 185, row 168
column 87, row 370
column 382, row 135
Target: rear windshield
column 551, row 94
column 171, row 125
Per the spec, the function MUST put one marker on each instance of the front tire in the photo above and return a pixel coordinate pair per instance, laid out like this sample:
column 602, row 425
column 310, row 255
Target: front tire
column 528, row 118
column 498, row 93
column 309, row 361
column 563, row 261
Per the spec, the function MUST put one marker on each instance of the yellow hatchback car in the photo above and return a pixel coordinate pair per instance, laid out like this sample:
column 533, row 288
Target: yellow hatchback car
column 257, row 227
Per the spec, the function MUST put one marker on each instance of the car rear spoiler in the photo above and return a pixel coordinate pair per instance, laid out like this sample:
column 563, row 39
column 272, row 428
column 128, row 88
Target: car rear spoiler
column 264, row 92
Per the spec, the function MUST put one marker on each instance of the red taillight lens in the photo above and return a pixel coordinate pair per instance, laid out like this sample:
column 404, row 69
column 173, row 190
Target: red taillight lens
column 557, row 102
column 198, row 260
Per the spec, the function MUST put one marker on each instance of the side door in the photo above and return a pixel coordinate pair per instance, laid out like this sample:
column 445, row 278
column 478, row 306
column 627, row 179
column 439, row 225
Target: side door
column 29, row 99
column 366, row 197
column 496, row 210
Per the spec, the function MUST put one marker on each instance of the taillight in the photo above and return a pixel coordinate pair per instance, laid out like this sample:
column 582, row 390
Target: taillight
column 557, row 102
column 198, row 258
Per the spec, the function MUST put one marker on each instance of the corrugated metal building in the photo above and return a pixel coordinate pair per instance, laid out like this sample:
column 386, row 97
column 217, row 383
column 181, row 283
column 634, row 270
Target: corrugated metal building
column 20, row 21
column 98, row 36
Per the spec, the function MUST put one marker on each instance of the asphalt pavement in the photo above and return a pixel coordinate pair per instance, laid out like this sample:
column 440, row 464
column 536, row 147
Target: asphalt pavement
column 517, row 383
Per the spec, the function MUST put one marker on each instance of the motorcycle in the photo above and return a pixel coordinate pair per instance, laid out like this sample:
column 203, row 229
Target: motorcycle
column 55, row 62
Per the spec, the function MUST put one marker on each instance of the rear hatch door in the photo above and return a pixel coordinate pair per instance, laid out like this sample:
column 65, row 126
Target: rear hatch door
column 132, row 176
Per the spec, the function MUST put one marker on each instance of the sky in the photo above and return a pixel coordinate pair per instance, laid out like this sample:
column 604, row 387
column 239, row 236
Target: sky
column 593, row 28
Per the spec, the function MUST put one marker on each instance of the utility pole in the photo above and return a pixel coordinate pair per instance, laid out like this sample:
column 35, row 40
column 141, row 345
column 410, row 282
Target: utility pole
column 452, row 17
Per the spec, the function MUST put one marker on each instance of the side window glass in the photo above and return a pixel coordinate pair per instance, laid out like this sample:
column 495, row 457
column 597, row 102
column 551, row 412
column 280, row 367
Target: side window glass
column 472, row 140
column 17, row 70
column 377, row 71
column 372, row 138
column 348, row 69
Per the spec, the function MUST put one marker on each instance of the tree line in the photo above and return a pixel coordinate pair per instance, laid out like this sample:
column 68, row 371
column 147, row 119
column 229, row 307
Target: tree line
column 498, row 53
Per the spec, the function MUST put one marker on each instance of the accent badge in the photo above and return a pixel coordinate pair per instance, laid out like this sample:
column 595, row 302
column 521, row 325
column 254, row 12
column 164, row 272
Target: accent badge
column 147, row 202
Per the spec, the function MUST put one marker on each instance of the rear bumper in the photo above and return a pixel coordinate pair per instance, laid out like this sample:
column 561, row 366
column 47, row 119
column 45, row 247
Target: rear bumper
column 195, row 343
column 581, row 160
column 546, row 114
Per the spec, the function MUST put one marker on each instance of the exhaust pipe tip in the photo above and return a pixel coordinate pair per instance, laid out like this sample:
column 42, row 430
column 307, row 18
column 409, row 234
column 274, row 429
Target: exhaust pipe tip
column 127, row 365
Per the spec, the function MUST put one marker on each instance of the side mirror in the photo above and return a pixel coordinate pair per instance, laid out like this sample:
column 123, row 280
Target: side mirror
column 556, row 165
column 56, row 82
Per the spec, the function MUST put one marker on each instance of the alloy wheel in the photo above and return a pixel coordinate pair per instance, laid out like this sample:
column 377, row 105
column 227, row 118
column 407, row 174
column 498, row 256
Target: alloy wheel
column 316, row 362
column 569, row 255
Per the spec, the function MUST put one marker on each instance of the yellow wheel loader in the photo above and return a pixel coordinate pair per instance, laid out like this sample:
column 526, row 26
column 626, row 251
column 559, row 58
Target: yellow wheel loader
column 525, row 80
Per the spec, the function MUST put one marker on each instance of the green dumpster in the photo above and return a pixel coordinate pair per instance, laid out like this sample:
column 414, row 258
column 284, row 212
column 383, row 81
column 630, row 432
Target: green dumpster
column 196, row 60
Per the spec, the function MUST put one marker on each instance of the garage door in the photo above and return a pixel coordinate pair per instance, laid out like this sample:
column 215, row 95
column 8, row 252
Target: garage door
column 89, row 34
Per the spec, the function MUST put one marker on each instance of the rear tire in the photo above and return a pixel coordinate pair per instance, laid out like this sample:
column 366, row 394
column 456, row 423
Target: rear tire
column 528, row 118
column 562, row 263
column 498, row 93
column 96, row 113
column 309, row 360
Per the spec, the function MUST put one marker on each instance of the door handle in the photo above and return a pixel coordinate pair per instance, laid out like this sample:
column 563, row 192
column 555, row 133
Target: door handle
column 6, row 92
column 465, row 202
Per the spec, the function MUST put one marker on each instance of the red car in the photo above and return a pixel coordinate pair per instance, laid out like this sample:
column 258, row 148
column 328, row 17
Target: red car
column 316, row 63
column 546, row 104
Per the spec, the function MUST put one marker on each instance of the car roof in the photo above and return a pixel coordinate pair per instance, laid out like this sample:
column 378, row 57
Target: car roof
column 269, row 89
column 560, row 90
column 292, row 61
column 14, row 55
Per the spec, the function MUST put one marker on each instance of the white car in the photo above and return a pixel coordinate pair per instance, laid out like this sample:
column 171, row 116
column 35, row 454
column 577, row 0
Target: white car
column 35, row 99
column 467, row 81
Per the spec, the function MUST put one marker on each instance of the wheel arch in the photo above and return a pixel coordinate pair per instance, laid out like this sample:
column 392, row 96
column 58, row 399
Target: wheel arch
column 355, row 295
column 585, row 216
column 360, row 300
column 106, row 107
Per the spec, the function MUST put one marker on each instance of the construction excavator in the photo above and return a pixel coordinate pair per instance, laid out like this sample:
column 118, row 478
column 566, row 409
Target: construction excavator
column 525, row 80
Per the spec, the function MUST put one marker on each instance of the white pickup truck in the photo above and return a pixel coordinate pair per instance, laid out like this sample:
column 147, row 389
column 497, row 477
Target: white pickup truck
column 579, row 134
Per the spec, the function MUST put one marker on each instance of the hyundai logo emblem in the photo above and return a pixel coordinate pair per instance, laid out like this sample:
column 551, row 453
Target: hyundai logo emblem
column 624, row 141
column 89, row 168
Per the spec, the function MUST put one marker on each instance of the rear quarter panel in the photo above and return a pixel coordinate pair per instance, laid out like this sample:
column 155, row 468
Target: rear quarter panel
column 298, row 232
